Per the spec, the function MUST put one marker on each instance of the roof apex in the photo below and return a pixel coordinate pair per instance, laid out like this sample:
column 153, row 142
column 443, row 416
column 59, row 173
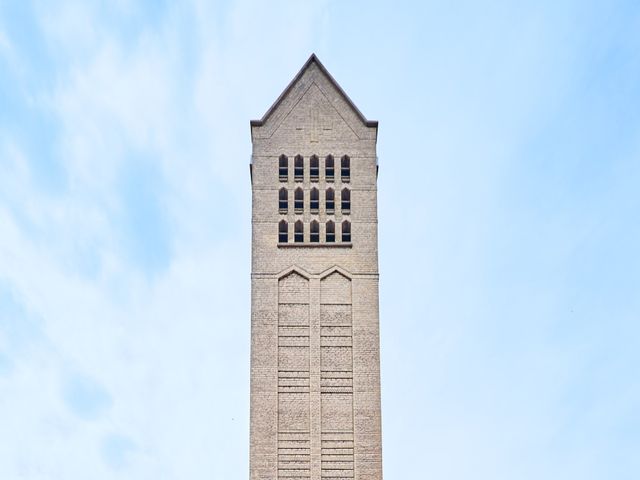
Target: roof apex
column 314, row 59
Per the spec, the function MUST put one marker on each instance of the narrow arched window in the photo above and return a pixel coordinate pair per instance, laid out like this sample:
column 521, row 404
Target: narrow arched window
column 345, row 168
column 329, row 168
column 283, row 232
column 346, row 231
column 298, row 169
column 314, row 200
column 331, row 232
column 283, row 200
column 315, row 232
column 345, row 198
column 298, row 234
column 283, row 168
column 330, row 203
column 298, row 201
column 314, row 168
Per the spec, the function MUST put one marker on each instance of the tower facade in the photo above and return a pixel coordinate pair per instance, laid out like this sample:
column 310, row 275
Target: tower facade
column 315, row 366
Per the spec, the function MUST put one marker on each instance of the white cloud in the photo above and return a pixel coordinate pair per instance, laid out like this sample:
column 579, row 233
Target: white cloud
column 173, row 93
column 161, row 361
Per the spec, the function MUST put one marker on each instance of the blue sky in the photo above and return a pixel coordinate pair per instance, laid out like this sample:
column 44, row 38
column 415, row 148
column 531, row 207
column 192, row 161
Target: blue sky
column 509, row 231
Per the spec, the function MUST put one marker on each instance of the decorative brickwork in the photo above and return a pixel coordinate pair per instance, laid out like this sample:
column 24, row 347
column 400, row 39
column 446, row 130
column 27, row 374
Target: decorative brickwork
column 315, row 368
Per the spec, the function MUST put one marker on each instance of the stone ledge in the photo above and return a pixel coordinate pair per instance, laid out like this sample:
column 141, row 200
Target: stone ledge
column 315, row 245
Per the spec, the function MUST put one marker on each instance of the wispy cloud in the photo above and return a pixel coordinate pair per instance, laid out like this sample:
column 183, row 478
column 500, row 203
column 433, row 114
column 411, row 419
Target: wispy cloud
column 131, row 261
column 508, row 141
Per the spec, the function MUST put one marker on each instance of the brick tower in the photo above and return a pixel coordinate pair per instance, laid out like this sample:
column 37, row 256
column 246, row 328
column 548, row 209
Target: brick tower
column 315, row 366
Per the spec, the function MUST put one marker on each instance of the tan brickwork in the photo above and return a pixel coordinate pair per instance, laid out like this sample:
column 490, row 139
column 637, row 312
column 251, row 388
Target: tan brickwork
column 315, row 366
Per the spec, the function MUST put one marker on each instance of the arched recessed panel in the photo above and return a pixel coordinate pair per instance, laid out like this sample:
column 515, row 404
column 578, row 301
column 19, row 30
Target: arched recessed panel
column 336, row 289
column 293, row 288
column 293, row 414
column 336, row 374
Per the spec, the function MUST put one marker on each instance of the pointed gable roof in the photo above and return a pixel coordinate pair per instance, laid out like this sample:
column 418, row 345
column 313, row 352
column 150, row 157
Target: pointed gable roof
column 313, row 60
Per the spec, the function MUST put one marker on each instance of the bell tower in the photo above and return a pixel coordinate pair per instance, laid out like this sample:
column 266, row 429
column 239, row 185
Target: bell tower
column 315, row 365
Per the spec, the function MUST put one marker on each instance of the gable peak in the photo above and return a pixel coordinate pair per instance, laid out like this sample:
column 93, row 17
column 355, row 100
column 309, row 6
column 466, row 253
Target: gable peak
column 313, row 60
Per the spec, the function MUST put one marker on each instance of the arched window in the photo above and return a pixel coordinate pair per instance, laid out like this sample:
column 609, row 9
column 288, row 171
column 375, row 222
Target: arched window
column 283, row 169
column 346, row 231
column 329, row 169
column 331, row 232
column 314, row 200
column 315, row 232
column 298, row 169
column 298, row 200
column 330, row 198
column 283, row 200
column 298, row 233
column 345, row 198
column 345, row 168
column 314, row 168
column 283, row 232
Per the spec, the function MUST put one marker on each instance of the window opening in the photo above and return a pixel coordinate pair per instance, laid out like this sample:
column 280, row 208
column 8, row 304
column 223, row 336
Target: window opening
column 298, row 169
column 346, row 231
column 330, row 200
column 346, row 200
column 283, row 235
column 329, row 171
column 315, row 232
column 283, row 201
column 298, row 201
column 314, row 200
column 283, row 169
column 314, row 168
column 345, row 170
column 298, row 236
column 331, row 232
